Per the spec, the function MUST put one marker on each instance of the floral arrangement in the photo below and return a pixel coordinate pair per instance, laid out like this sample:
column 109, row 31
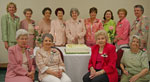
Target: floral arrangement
column 110, row 34
column 37, row 38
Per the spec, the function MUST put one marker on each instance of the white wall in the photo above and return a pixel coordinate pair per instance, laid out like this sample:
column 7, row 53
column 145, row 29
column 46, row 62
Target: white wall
column 82, row 5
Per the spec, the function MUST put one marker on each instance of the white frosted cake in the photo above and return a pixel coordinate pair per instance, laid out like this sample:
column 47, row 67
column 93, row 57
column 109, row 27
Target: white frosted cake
column 77, row 49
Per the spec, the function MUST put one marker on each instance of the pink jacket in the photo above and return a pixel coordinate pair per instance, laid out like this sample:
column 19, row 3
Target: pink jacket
column 122, row 31
column 108, row 61
column 91, row 29
column 15, row 59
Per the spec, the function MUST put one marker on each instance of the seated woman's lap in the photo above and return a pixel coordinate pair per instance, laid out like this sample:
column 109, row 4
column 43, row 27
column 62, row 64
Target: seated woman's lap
column 19, row 79
column 100, row 78
column 51, row 78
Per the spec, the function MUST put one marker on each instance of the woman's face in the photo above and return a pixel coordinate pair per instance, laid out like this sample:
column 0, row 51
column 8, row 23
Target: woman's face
column 101, row 40
column 11, row 9
column 22, row 41
column 60, row 15
column 108, row 15
column 47, row 14
column 47, row 42
column 93, row 14
column 28, row 14
column 135, row 43
column 74, row 15
column 138, row 12
column 121, row 15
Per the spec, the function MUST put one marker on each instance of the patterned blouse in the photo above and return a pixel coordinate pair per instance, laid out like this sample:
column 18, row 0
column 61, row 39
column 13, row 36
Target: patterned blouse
column 48, row 60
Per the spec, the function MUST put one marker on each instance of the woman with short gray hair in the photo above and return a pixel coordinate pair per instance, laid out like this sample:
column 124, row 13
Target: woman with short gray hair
column 141, row 27
column 134, row 63
column 49, row 62
column 28, row 24
column 21, row 66
column 75, row 29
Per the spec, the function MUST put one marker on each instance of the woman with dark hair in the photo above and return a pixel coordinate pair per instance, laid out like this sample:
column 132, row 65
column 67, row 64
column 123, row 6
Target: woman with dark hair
column 92, row 25
column 28, row 24
column 9, row 25
column 58, row 28
column 45, row 23
column 109, row 25
column 49, row 62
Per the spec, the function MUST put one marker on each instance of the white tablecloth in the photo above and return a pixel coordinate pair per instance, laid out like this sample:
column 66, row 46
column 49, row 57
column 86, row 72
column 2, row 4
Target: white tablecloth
column 76, row 65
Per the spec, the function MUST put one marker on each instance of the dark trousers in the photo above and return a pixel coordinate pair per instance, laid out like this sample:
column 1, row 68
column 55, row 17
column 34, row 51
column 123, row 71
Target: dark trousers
column 100, row 78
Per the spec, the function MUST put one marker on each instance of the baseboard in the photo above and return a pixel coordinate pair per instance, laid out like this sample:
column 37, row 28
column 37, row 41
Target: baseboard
column 3, row 65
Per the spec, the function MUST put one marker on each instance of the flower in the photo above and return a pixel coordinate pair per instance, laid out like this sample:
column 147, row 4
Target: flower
column 37, row 35
column 110, row 33
column 104, row 55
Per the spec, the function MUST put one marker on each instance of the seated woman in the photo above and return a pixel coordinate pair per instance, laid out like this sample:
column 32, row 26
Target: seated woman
column 134, row 63
column 102, row 64
column 20, row 62
column 49, row 62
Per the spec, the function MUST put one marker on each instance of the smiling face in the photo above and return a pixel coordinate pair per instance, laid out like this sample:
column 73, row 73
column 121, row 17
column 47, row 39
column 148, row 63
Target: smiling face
column 11, row 9
column 60, row 15
column 135, row 43
column 138, row 12
column 93, row 15
column 101, row 40
column 74, row 15
column 47, row 14
column 121, row 15
column 47, row 42
column 108, row 15
column 28, row 14
column 22, row 41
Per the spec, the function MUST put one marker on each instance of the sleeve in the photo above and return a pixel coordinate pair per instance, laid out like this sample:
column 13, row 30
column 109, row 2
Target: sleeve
column 68, row 32
column 40, row 27
column 90, row 61
column 53, row 30
column 40, row 63
column 112, row 61
column 144, row 60
column 18, row 23
column 17, row 68
column 82, row 34
column 126, row 29
column 4, row 28
column 114, row 29
column 100, row 25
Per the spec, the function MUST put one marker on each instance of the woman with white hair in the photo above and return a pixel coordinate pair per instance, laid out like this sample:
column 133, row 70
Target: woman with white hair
column 20, row 60
column 134, row 63
column 75, row 29
column 102, row 64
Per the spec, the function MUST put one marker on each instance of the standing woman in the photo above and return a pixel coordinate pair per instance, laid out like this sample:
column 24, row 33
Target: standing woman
column 109, row 25
column 45, row 23
column 58, row 28
column 92, row 25
column 28, row 24
column 9, row 25
column 75, row 28
column 122, row 30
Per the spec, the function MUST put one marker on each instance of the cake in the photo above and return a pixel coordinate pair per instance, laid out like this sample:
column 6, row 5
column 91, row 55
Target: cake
column 77, row 49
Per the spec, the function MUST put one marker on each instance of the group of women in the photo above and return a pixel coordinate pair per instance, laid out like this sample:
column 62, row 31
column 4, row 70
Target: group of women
column 99, row 35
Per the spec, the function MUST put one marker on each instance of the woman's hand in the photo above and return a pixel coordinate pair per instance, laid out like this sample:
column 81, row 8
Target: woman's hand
column 6, row 45
column 92, row 73
column 134, row 78
column 125, row 72
column 31, row 74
